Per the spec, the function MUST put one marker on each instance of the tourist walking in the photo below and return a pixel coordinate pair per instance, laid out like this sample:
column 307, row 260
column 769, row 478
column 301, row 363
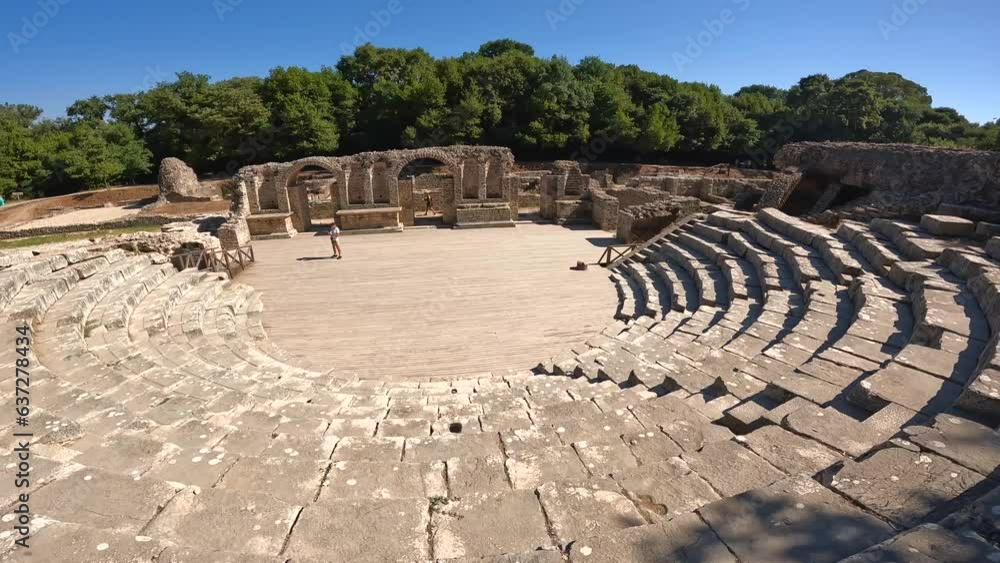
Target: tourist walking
column 427, row 199
column 335, row 241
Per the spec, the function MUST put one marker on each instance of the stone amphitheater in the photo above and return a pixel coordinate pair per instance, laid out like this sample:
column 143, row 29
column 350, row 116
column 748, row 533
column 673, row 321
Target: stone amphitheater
column 768, row 390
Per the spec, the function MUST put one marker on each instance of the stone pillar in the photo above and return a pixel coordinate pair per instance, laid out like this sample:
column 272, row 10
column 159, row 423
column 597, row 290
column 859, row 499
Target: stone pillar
column 484, row 168
column 561, row 181
column 343, row 183
column 369, row 186
column 253, row 198
column 459, row 183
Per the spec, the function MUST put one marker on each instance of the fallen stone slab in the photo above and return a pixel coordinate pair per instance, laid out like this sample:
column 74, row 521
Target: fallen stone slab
column 815, row 524
column 906, row 487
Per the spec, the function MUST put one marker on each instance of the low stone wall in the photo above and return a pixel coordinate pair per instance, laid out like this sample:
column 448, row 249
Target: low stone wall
column 126, row 222
column 483, row 214
column 369, row 219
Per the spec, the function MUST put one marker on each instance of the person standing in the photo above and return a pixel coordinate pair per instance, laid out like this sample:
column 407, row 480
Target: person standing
column 427, row 198
column 335, row 241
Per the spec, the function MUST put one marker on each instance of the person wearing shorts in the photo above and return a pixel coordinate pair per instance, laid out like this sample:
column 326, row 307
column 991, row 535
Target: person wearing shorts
column 335, row 241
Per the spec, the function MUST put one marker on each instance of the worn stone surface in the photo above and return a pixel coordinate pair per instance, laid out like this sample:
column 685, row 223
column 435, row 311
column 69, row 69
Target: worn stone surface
column 370, row 531
column 929, row 543
column 789, row 452
column 731, row 469
column 816, row 525
column 125, row 504
column 969, row 444
column 947, row 226
column 485, row 524
column 906, row 487
column 295, row 481
column 685, row 539
column 666, row 489
column 255, row 523
column 579, row 511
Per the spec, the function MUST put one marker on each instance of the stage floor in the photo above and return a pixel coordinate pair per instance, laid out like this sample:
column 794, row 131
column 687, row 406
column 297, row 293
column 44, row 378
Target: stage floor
column 434, row 302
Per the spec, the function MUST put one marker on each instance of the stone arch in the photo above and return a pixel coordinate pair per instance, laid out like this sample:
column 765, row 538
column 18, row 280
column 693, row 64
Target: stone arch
column 405, row 196
column 407, row 157
column 296, row 202
column 293, row 168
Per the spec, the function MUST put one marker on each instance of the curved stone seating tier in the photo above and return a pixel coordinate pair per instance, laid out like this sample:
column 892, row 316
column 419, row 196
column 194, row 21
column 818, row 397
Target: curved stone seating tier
column 767, row 371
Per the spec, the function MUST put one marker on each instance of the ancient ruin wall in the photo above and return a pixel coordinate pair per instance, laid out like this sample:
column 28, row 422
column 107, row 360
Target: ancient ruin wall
column 905, row 180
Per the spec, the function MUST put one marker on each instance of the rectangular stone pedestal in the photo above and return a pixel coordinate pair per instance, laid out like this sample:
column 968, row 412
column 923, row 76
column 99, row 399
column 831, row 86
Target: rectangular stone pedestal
column 271, row 225
column 483, row 215
column 373, row 220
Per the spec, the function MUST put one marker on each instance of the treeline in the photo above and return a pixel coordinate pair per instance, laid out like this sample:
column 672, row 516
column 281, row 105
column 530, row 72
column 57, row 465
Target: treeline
column 502, row 94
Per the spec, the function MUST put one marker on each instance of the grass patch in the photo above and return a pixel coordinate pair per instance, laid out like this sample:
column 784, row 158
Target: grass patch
column 66, row 237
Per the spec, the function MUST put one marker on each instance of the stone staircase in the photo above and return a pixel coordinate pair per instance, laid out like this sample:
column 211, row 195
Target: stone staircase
column 770, row 391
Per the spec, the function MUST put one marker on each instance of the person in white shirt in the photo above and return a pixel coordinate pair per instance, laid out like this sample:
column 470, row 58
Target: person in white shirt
column 335, row 241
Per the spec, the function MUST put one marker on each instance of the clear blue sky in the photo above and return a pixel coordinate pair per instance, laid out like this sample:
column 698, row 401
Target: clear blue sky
column 104, row 46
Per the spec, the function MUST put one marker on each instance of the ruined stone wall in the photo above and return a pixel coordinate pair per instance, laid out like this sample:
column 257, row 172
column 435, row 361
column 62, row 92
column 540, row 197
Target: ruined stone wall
column 235, row 232
column 298, row 205
column 904, row 180
column 605, row 210
column 640, row 222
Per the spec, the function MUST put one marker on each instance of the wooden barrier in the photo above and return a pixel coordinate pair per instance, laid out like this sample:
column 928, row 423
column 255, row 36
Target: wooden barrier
column 231, row 261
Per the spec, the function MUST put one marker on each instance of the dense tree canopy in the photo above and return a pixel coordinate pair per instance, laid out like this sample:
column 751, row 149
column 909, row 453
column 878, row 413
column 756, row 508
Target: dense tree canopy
column 501, row 94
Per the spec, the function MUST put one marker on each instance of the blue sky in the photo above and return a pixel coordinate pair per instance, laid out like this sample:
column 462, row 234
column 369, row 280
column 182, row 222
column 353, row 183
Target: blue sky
column 92, row 47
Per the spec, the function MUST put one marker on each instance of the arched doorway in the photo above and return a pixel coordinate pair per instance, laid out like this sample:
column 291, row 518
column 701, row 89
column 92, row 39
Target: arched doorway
column 319, row 184
column 432, row 184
